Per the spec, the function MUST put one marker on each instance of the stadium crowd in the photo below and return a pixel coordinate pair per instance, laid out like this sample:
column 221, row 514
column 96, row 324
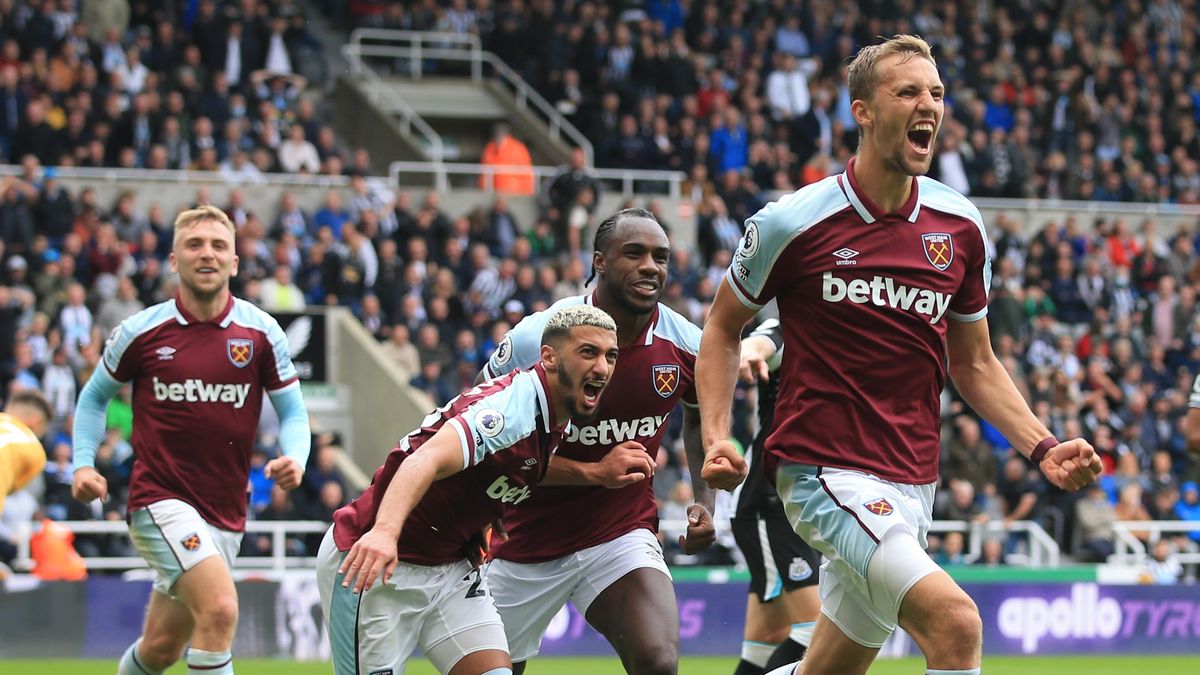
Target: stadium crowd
column 1095, row 321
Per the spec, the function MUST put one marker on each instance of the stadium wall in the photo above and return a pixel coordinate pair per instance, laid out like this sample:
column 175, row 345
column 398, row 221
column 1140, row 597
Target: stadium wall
column 100, row 617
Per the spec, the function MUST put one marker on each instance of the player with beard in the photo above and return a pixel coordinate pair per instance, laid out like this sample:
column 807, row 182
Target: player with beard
column 396, row 568
column 591, row 538
column 881, row 276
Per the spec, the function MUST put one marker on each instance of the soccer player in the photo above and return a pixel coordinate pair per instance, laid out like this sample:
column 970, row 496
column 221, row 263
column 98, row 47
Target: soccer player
column 22, row 424
column 591, row 538
column 395, row 569
column 199, row 364
column 783, row 604
column 1191, row 424
column 881, row 276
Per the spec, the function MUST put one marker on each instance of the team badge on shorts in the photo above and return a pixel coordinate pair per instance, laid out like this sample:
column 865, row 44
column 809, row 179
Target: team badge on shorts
column 389, row 671
column 191, row 542
column 666, row 379
column 880, row 507
column 939, row 249
column 799, row 570
column 240, row 351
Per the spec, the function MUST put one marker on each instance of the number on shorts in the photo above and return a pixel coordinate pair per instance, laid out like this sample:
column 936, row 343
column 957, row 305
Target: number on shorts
column 475, row 591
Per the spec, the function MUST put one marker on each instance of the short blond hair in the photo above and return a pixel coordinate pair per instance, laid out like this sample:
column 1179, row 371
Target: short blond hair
column 561, row 322
column 201, row 213
column 862, row 75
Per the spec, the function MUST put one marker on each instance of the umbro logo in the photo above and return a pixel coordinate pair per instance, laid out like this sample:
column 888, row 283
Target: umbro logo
column 165, row 353
column 529, row 464
column 846, row 256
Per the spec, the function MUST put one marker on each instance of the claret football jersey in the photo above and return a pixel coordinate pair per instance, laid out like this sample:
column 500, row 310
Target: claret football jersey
column 197, row 396
column 653, row 375
column 865, row 298
column 505, row 429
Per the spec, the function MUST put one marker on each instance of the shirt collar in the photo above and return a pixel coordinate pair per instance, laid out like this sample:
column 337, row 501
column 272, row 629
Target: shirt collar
column 185, row 317
column 867, row 209
column 542, row 387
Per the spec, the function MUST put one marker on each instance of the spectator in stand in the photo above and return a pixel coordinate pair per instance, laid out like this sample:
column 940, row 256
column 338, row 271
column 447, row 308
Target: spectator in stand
column 297, row 155
column 511, row 169
column 1094, row 518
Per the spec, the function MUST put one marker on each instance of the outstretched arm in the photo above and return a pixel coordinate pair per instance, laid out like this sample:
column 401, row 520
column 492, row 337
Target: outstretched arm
column 625, row 464
column 375, row 552
column 987, row 388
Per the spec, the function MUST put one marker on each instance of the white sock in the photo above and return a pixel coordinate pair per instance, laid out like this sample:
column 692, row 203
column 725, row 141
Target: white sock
column 200, row 662
column 131, row 662
column 802, row 632
column 968, row 671
column 757, row 653
column 789, row 669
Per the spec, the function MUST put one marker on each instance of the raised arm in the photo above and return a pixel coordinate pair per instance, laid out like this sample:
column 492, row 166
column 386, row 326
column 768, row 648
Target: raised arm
column 375, row 552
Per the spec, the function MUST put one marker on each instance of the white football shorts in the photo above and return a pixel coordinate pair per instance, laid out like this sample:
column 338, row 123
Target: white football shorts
column 173, row 538
column 528, row 595
column 845, row 515
column 446, row 610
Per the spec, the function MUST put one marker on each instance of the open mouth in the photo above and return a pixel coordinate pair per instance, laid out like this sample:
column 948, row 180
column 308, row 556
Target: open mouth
column 206, row 270
column 591, row 392
column 920, row 136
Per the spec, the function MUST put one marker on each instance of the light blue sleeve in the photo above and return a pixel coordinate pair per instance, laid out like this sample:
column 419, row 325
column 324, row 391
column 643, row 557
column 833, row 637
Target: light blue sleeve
column 522, row 346
column 769, row 233
column 499, row 421
column 295, row 437
column 90, row 416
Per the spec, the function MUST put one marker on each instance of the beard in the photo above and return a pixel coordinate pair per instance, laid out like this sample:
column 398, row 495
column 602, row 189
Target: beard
column 574, row 410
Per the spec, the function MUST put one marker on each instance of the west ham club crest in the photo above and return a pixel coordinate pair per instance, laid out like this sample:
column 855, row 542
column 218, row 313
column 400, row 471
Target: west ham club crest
column 666, row 379
column 240, row 351
column 939, row 249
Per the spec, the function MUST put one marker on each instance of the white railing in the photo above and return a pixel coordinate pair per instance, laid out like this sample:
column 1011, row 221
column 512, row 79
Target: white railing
column 369, row 43
column 182, row 177
column 365, row 42
column 1131, row 551
column 278, row 561
column 440, row 173
column 1043, row 550
column 1106, row 210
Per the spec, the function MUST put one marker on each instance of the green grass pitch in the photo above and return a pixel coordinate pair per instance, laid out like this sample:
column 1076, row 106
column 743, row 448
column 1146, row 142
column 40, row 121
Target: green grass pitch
column 1063, row 665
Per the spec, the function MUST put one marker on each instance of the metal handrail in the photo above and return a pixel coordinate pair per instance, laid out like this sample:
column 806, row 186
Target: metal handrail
column 418, row 52
column 1107, row 209
column 278, row 561
column 1130, row 550
column 418, row 39
column 408, row 116
column 181, row 176
column 627, row 177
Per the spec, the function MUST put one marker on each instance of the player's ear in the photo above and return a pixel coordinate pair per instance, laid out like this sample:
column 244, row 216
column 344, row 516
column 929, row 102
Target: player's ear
column 234, row 270
column 549, row 358
column 174, row 262
column 862, row 113
column 598, row 263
